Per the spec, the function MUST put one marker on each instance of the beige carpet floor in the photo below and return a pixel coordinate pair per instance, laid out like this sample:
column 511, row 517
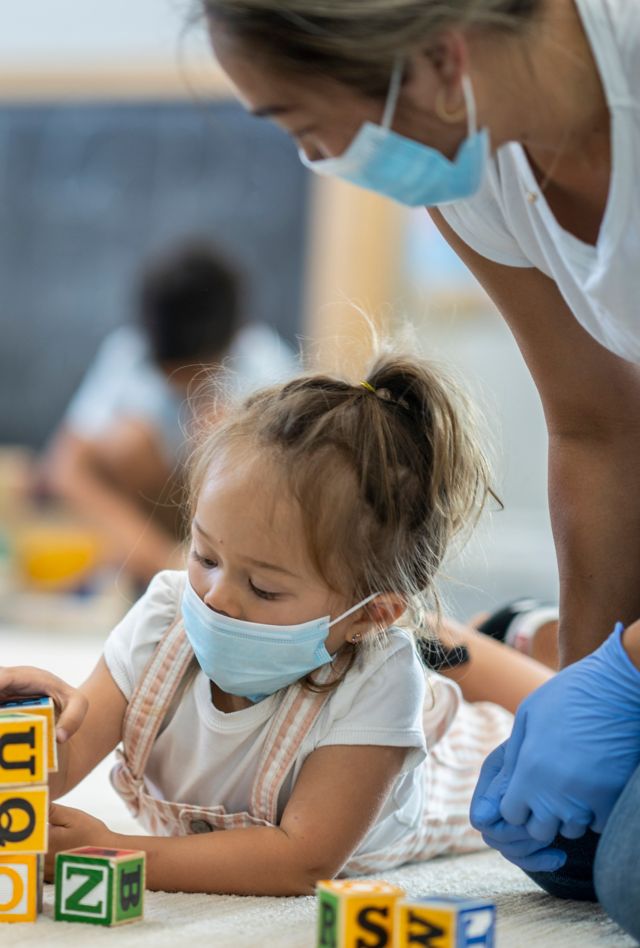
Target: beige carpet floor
column 526, row 916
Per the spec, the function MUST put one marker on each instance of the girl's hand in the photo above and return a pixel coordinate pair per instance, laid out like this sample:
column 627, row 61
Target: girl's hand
column 25, row 682
column 69, row 828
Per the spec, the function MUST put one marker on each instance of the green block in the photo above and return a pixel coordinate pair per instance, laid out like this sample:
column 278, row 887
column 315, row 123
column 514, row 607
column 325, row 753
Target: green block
column 328, row 912
column 99, row 886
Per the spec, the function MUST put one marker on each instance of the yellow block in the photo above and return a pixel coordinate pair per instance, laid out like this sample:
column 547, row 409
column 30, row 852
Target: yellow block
column 19, row 888
column 23, row 749
column 23, row 820
column 364, row 913
column 45, row 707
column 446, row 922
column 424, row 925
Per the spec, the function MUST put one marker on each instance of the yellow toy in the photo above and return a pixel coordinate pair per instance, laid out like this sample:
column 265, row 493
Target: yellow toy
column 356, row 912
column 23, row 820
column 19, row 888
column 445, row 922
column 23, row 749
column 46, row 708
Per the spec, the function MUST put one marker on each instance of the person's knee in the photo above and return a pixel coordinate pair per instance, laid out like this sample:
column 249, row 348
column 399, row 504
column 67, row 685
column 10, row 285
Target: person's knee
column 617, row 879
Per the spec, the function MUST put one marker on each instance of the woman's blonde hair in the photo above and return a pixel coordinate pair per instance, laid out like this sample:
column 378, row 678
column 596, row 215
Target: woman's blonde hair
column 357, row 41
column 386, row 472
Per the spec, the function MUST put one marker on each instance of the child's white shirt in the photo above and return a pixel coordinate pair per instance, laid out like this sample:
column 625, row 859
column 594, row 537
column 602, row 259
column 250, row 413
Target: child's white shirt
column 207, row 757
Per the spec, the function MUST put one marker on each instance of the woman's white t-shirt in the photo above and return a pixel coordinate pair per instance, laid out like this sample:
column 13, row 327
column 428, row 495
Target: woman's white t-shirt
column 207, row 757
column 601, row 283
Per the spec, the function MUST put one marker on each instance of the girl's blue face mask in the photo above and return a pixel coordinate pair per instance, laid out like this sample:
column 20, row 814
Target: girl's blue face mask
column 251, row 659
column 411, row 173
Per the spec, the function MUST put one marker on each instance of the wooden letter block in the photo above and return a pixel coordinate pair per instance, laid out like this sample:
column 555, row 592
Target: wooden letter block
column 445, row 922
column 19, row 885
column 23, row 749
column 99, row 886
column 353, row 913
column 46, row 708
column 24, row 820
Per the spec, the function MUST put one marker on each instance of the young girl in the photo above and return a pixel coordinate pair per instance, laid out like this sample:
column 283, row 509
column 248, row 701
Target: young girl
column 274, row 689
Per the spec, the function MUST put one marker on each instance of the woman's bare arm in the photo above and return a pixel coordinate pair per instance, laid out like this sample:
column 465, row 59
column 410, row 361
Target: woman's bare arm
column 591, row 401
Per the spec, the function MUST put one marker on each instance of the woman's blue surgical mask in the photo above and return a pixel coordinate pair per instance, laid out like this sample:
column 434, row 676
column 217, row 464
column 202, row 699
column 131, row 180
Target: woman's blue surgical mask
column 251, row 659
column 411, row 173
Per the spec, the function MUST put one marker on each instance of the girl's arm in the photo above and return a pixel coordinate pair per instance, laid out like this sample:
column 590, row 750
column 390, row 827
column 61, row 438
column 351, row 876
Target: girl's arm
column 98, row 734
column 336, row 799
column 494, row 671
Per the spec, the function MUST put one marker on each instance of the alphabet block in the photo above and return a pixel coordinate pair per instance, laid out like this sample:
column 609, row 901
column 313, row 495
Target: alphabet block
column 23, row 820
column 356, row 912
column 99, row 886
column 43, row 706
column 23, row 749
column 19, row 886
column 445, row 922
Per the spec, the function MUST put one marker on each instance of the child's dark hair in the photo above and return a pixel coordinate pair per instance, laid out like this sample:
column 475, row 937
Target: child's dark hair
column 386, row 471
column 189, row 303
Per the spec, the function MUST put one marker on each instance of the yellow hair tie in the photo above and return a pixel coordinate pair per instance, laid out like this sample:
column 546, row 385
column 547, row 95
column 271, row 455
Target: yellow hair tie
column 369, row 387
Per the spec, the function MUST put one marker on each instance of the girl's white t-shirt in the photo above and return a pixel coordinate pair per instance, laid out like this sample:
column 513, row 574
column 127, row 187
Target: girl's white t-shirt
column 601, row 283
column 206, row 757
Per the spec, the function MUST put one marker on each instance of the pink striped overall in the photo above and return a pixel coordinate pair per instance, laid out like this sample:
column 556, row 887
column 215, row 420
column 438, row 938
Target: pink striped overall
column 457, row 749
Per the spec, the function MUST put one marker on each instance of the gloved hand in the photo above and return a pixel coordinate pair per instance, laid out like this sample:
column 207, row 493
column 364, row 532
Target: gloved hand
column 574, row 746
column 513, row 842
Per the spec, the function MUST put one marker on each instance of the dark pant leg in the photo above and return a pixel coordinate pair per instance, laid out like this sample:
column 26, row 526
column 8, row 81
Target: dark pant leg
column 575, row 879
column 617, row 865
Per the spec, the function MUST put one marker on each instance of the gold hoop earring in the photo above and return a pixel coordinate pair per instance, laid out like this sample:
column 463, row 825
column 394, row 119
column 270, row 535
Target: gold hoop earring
column 450, row 118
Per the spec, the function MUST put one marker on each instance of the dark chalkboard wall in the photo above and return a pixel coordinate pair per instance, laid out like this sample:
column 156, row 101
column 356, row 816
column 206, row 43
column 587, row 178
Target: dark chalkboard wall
column 89, row 190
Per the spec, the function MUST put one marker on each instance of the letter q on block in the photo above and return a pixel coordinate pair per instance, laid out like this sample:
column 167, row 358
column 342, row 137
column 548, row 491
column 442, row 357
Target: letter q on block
column 356, row 913
column 23, row 749
column 18, row 888
column 23, row 820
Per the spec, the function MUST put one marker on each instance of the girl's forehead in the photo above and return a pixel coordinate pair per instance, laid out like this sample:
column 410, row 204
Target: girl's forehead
column 247, row 501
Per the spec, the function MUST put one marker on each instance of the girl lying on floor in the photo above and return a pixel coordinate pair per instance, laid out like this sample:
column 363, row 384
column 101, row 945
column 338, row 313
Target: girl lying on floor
column 274, row 689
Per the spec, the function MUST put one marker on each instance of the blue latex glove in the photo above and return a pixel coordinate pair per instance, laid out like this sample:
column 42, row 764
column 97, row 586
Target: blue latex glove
column 574, row 746
column 514, row 842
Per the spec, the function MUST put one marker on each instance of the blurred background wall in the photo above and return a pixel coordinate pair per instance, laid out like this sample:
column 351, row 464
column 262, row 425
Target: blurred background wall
column 117, row 134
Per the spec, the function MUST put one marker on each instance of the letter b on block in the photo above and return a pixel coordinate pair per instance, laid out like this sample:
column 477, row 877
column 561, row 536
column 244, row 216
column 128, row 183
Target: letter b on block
column 99, row 886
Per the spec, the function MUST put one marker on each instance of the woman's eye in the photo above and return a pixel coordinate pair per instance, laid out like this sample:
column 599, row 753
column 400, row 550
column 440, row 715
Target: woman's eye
column 262, row 592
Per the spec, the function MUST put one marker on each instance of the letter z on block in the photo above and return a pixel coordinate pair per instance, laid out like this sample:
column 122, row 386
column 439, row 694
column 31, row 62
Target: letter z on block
column 99, row 886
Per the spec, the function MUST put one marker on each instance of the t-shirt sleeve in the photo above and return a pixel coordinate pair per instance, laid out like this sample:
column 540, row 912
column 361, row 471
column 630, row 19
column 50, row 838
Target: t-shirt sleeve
column 481, row 223
column 131, row 644
column 381, row 702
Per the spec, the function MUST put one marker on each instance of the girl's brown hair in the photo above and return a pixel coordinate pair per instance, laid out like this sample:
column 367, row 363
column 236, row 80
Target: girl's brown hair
column 357, row 41
column 386, row 472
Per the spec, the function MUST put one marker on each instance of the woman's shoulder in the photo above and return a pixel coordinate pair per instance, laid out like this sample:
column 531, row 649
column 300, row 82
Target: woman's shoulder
column 132, row 642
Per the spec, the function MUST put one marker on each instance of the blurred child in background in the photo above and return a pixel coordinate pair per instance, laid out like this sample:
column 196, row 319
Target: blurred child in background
column 118, row 455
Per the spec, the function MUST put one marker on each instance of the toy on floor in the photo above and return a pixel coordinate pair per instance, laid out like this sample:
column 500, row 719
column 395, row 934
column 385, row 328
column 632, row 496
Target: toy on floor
column 445, row 922
column 357, row 912
column 100, row 886
column 24, row 799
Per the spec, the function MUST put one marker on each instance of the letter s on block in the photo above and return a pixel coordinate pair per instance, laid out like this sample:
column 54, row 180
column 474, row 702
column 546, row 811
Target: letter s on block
column 368, row 924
